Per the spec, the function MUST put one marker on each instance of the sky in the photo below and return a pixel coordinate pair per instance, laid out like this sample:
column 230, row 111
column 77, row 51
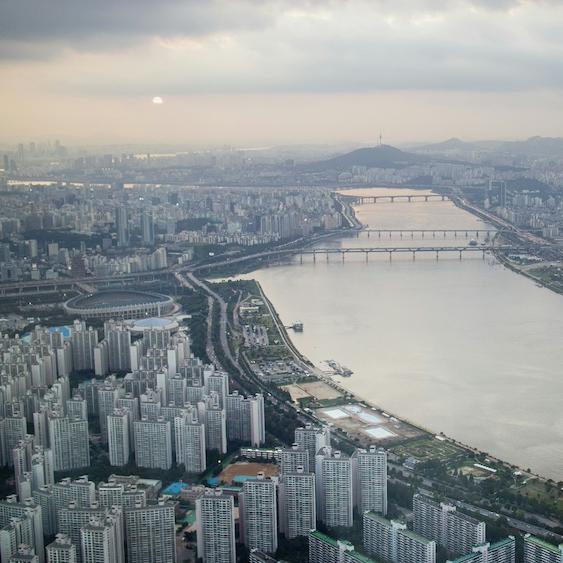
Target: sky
column 263, row 72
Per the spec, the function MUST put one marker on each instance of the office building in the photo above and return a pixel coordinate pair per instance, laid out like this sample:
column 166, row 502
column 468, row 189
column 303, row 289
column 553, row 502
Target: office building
column 259, row 514
column 147, row 227
column 441, row 522
column 215, row 522
column 122, row 225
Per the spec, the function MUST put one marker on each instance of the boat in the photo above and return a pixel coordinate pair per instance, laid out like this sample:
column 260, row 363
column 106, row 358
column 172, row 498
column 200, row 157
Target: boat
column 339, row 369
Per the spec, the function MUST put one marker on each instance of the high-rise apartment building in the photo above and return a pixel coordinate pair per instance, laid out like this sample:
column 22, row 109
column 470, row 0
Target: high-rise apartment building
column 190, row 442
column 245, row 418
column 503, row 551
column 118, row 437
column 297, row 502
column 537, row 550
column 370, row 480
column 391, row 541
column 215, row 527
column 69, row 442
column 62, row 550
column 259, row 514
column 312, row 439
column 151, row 533
column 153, row 443
column 334, row 487
column 294, row 457
column 441, row 522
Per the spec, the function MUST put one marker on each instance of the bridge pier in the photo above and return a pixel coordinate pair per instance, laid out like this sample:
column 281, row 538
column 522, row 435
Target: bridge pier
column 326, row 257
column 390, row 256
column 460, row 254
column 413, row 255
column 367, row 257
column 437, row 254
column 343, row 255
column 301, row 258
column 314, row 257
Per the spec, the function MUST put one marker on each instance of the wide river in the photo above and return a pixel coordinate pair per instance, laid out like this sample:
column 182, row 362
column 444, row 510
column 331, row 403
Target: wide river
column 465, row 347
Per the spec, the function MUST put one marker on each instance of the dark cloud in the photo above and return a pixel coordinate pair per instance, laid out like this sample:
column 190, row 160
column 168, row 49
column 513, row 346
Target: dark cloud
column 74, row 22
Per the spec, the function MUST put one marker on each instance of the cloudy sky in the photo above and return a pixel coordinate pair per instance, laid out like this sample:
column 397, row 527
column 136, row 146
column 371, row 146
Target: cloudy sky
column 254, row 72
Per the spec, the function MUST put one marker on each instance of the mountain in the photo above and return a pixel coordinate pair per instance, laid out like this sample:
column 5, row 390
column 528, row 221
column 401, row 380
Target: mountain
column 451, row 145
column 535, row 146
column 383, row 156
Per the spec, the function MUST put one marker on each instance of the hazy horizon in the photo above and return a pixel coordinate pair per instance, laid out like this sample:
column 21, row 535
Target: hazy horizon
column 280, row 72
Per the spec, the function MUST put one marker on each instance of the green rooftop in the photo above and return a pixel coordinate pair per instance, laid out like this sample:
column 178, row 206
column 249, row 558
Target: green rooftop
column 543, row 544
column 323, row 537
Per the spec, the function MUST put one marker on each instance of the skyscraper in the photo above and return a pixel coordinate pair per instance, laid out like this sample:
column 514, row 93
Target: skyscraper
column 258, row 514
column 370, row 480
column 215, row 527
column 147, row 227
column 122, row 225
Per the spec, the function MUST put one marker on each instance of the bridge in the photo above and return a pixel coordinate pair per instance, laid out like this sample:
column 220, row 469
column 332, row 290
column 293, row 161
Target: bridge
column 413, row 250
column 477, row 233
column 392, row 198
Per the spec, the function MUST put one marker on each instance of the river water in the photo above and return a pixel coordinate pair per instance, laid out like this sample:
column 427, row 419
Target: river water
column 465, row 347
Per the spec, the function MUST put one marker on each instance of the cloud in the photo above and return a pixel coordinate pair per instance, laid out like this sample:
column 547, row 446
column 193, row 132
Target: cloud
column 179, row 47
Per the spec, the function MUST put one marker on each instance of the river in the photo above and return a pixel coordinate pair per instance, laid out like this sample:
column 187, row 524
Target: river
column 465, row 347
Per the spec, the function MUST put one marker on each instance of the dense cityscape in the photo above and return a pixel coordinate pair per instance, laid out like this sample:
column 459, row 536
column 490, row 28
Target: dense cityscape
column 281, row 282
column 149, row 414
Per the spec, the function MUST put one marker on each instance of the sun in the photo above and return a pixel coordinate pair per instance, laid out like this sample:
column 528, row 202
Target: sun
column 157, row 100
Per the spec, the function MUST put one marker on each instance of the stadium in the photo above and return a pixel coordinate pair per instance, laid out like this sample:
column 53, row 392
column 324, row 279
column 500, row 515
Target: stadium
column 119, row 304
